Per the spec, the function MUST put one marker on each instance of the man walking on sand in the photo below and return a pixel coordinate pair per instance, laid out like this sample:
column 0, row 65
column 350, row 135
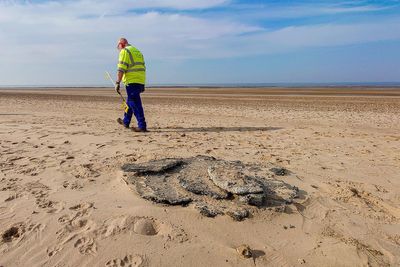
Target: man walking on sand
column 132, row 72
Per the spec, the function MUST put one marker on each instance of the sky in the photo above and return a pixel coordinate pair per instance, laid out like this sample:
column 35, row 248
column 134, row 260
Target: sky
column 72, row 43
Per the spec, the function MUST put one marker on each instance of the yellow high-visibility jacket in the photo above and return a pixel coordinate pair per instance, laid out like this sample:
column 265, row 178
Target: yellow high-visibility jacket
column 131, row 63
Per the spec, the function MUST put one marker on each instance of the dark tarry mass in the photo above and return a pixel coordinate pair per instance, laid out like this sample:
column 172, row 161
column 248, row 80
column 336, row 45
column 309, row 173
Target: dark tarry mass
column 215, row 187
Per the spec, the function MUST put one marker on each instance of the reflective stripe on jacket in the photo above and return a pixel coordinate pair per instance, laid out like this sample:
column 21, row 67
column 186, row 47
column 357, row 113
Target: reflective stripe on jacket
column 131, row 63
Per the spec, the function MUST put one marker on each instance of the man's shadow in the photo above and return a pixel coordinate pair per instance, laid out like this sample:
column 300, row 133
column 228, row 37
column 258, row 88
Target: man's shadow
column 215, row 129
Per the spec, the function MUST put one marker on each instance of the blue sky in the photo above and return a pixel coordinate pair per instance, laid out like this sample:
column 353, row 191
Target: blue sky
column 200, row 42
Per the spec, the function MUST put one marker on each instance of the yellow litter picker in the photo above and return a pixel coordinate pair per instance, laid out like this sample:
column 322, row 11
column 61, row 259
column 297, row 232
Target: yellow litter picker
column 124, row 105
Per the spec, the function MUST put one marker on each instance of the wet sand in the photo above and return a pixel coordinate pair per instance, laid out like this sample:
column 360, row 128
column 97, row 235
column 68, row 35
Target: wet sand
column 63, row 201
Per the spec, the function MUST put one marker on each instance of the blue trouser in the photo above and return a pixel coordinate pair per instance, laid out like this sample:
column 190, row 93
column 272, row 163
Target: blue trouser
column 134, row 102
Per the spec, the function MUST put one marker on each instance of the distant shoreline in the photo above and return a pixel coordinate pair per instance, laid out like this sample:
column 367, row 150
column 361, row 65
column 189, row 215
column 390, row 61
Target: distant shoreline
column 212, row 92
column 344, row 85
column 280, row 87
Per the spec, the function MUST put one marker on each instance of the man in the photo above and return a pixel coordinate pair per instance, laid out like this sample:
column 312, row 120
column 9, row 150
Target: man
column 132, row 72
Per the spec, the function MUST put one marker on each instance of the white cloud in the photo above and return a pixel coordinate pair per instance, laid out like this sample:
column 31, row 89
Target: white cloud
column 81, row 35
column 335, row 34
column 49, row 29
column 101, row 7
column 307, row 10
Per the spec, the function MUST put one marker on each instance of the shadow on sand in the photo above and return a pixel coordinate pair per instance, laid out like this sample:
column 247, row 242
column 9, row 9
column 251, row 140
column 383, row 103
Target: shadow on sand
column 215, row 129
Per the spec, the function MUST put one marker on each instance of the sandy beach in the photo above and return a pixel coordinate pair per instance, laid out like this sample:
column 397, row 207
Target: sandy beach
column 64, row 199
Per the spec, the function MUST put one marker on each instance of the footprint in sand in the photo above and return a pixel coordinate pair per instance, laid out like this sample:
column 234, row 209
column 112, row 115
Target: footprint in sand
column 41, row 192
column 55, row 207
column 65, row 219
column 375, row 256
column 76, row 226
column 76, row 229
column 11, row 185
column 18, row 232
column 82, row 206
column 82, row 209
column 359, row 199
column 86, row 245
column 53, row 251
column 128, row 261
column 147, row 226
column 124, row 224
column 72, row 185
column 86, row 171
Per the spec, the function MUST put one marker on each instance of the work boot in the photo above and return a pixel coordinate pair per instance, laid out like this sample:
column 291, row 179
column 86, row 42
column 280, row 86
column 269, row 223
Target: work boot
column 139, row 130
column 120, row 121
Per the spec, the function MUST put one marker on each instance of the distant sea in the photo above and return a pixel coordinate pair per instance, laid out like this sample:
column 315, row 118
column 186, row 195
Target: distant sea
column 290, row 85
column 222, row 85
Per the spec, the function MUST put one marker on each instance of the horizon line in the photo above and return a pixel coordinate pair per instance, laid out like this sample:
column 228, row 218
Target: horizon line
column 222, row 85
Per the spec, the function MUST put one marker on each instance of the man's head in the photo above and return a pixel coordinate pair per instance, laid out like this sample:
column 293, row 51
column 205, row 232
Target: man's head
column 122, row 43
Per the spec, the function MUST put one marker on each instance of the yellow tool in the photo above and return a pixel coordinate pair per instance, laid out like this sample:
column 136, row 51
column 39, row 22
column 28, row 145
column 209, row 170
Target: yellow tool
column 124, row 105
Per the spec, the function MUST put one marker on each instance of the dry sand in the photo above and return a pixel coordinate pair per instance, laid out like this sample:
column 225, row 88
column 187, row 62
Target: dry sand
column 63, row 202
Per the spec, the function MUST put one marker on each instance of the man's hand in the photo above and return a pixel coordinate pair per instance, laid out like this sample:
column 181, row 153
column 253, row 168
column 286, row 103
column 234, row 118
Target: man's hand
column 117, row 87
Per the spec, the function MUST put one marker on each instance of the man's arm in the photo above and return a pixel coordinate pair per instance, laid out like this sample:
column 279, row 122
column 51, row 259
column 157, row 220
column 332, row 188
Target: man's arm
column 118, row 81
column 119, row 76
column 122, row 66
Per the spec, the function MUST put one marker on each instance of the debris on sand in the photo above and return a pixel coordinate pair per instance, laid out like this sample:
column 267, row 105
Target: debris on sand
column 208, row 210
column 229, row 176
column 239, row 214
column 244, row 251
column 158, row 189
column 280, row 171
column 11, row 233
column 194, row 179
column 214, row 186
column 153, row 167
